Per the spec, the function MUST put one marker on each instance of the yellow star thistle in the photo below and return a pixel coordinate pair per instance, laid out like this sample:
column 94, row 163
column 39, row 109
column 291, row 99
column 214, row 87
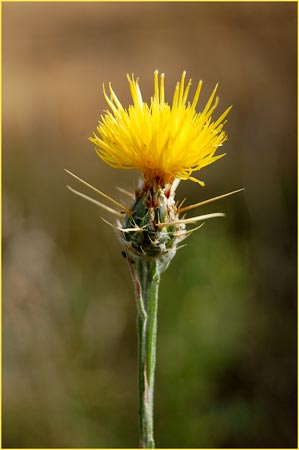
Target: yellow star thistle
column 167, row 143
column 163, row 141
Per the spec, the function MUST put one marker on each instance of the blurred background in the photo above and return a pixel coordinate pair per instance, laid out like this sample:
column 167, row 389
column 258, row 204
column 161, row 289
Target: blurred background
column 226, row 363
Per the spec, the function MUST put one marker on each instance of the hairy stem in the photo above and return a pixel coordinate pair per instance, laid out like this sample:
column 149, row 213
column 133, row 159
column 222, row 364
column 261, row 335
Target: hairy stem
column 146, row 277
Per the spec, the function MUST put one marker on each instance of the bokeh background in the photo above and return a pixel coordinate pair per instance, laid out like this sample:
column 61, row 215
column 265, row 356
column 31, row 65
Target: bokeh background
column 226, row 363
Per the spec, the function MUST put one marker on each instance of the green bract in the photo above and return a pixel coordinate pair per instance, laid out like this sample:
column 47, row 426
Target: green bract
column 153, row 228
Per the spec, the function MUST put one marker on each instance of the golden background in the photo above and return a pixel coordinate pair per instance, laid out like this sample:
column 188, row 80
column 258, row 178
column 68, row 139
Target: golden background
column 226, row 363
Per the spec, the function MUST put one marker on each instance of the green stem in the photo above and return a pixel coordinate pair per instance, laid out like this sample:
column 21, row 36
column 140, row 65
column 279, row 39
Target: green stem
column 146, row 277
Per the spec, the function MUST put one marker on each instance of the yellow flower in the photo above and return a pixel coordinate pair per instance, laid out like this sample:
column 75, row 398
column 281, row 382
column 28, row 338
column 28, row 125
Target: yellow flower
column 163, row 141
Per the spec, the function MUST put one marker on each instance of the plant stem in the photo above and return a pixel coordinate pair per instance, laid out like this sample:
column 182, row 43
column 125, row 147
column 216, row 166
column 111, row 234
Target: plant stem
column 146, row 277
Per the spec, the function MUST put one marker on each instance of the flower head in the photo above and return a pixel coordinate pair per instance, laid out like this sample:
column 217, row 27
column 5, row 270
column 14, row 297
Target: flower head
column 163, row 141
